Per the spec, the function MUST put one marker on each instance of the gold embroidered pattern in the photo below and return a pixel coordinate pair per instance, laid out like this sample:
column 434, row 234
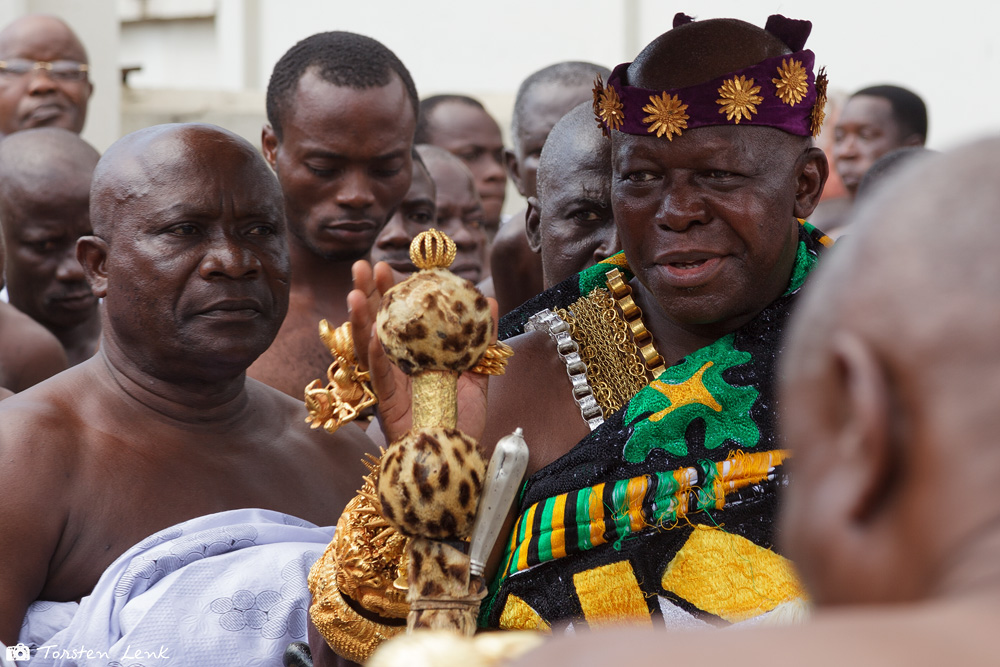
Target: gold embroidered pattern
column 614, row 371
column 598, row 96
column 642, row 339
column 738, row 98
column 818, row 113
column 791, row 83
column 610, row 108
column 666, row 115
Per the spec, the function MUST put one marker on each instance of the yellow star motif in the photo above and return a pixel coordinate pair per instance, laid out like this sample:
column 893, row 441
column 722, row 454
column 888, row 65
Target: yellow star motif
column 739, row 98
column 611, row 108
column 818, row 113
column 791, row 83
column 666, row 115
column 690, row 391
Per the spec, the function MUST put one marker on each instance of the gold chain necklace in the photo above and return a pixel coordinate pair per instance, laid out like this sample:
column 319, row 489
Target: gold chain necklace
column 632, row 313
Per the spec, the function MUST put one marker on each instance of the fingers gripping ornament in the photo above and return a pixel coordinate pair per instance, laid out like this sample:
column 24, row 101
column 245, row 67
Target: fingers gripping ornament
column 434, row 326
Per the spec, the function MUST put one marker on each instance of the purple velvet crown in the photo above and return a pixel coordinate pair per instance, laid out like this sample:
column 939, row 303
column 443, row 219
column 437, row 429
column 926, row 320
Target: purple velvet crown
column 779, row 92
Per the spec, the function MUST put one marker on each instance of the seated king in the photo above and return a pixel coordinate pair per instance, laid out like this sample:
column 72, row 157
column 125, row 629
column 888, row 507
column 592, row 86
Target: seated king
column 645, row 384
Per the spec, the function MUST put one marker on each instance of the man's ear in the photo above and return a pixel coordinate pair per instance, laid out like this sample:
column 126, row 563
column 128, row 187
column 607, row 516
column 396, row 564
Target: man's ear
column 863, row 442
column 513, row 169
column 269, row 145
column 533, row 225
column 811, row 170
column 92, row 253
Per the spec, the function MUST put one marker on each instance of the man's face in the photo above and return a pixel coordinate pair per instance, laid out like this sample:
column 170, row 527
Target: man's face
column 415, row 215
column 343, row 162
column 474, row 137
column 543, row 109
column 460, row 216
column 42, row 98
column 865, row 131
column 576, row 226
column 706, row 220
column 44, row 278
column 197, row 269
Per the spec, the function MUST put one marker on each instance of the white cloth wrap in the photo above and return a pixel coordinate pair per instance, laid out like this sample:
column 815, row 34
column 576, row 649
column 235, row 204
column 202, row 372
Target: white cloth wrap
column 223, row 589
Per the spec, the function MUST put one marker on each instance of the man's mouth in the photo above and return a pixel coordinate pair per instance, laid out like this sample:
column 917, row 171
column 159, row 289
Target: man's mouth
column 43, row 114
column 687, row 270
column 351, row 225
column 75, row 300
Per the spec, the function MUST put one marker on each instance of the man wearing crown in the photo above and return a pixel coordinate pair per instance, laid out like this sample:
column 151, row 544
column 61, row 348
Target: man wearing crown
column 645, row 384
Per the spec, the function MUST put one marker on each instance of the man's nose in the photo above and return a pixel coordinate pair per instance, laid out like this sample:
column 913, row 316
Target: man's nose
column 393, row 235
column 682, row 207
column 227, row 258
column 40, row 82
column 355, row 191
column 70, row 270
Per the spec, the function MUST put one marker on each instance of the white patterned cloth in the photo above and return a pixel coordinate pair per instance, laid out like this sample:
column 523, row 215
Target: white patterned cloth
column 223, row 589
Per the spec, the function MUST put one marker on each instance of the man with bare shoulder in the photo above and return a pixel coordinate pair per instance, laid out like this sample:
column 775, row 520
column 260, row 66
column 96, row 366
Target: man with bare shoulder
column 171, row 496
column 341, row 112
column 45, row 176
column 28, row 353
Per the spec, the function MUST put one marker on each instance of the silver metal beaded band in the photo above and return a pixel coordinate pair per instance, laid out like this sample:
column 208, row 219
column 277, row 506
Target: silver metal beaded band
column 569, row 351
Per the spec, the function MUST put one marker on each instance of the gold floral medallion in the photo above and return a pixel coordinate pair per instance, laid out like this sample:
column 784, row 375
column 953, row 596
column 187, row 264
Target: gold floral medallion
column 791, row 83
column 666, row 115
column 738, row 98
column 610, row 109
column 818, row 113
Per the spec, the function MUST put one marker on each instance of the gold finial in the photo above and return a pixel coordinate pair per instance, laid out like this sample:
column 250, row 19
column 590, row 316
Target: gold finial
column 432, row 249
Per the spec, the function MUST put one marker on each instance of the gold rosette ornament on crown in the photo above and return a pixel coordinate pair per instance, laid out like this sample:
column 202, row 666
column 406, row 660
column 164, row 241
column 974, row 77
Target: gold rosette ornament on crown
column 792, row 82
column 738, row 98
column 666, row 115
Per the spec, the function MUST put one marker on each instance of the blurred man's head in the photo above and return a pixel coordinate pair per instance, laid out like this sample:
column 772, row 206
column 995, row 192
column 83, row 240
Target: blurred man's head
column 414, row 215
column 459, row 209
column 874, row 121
column 570, row 222
column 45, row 177
column 341, row 114
column 462, row 126
column 890, row 380
column 542, row 99
column 43, row 76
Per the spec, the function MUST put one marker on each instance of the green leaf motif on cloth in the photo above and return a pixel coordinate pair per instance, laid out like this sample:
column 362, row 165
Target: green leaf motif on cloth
column 693, row 389
column 805, row 262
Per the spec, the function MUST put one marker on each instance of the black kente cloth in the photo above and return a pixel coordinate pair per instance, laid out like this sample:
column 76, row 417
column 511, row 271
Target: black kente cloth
column 548, row 587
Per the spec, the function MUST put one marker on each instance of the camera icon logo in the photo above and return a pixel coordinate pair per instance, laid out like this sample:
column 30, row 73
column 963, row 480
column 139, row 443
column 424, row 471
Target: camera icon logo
column 18, row 652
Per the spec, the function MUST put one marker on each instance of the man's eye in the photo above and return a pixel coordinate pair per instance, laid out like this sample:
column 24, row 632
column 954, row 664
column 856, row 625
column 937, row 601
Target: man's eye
column 471, row 155
column 421, row 218
column 639, row 176
column 719, row 174
column 262, row 230
column 48, row 245
column 322, row 172
column 587, row 216
column 184, row 229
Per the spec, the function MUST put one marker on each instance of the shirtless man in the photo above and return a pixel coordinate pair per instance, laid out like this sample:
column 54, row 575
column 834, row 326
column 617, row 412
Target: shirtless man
column 542, row 99
column 459, row 210
column 888, row 382
column 44, row 208
column 339, row 138
column 570, row 224
column 44, row 81
column 415, row 215
column 28, row 352
column 189, row 253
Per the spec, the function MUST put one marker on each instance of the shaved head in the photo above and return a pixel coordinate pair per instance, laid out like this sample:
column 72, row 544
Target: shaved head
column 155, row 157
column 890, row 379
column 34, row 162
column 574, row 138
column 33, row 27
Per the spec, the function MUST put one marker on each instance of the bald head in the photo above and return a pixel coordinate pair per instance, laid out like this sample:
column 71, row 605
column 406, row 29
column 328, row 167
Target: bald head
column 893, row 357
column 42, row 97
column 164, row 158
column 36, row 163
column 574, row 140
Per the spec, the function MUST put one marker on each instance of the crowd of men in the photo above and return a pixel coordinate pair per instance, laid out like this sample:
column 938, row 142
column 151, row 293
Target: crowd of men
column 674, row 354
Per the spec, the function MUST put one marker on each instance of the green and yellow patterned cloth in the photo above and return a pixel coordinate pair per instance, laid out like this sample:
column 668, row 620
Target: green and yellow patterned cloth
column 665, row 512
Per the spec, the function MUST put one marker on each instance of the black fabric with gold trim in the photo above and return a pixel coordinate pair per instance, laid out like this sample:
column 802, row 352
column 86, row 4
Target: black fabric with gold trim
column 667, row 508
